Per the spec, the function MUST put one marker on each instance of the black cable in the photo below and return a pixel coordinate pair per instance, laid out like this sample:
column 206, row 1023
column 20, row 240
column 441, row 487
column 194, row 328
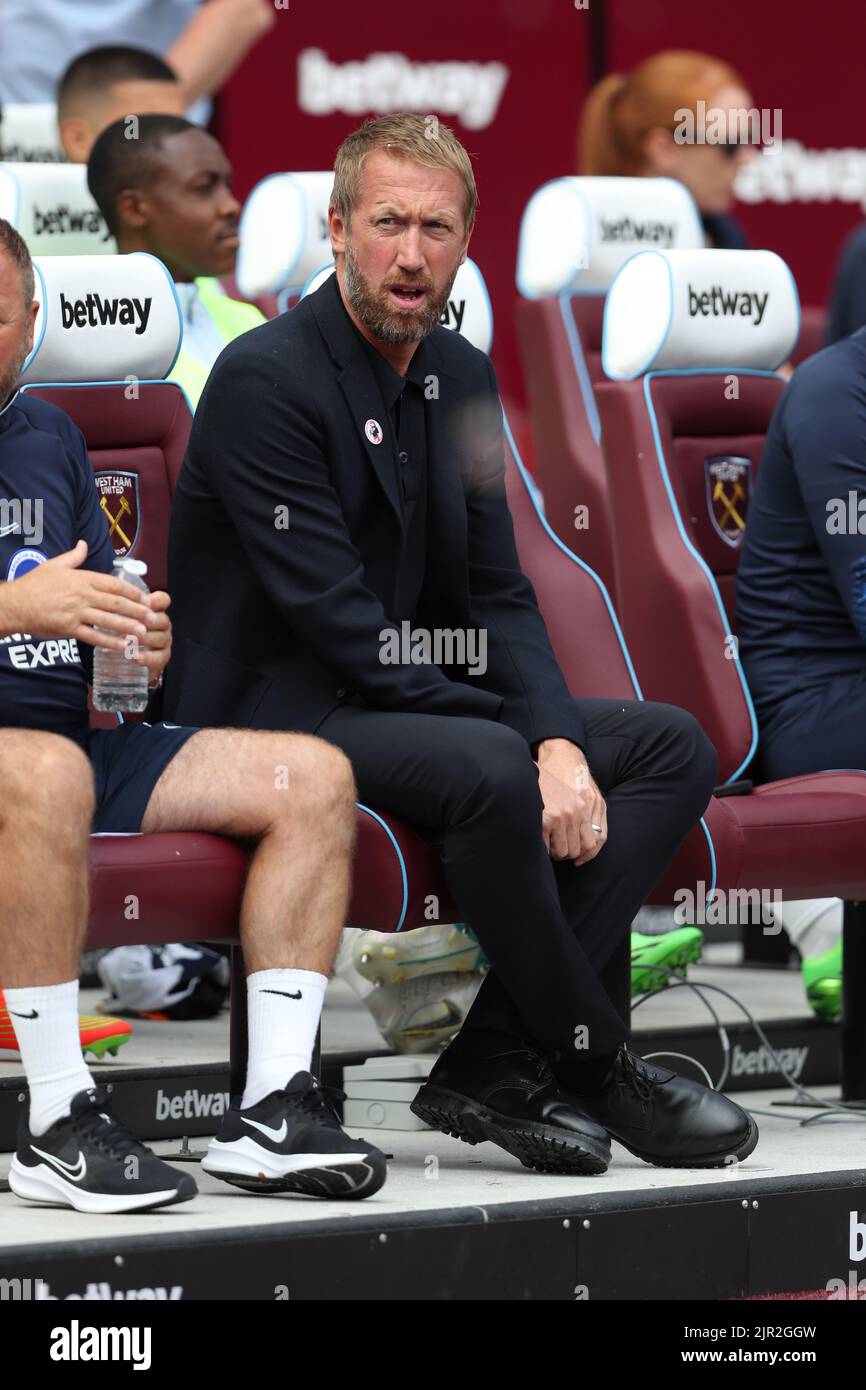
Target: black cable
column 824, row 1106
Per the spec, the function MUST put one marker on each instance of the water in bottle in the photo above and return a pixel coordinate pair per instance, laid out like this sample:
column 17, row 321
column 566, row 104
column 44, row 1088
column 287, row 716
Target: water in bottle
column 119, row 682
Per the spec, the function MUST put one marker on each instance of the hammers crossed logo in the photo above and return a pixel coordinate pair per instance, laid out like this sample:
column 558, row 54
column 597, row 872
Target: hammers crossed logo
column 737, row 495
column 729, row 487
column 114, row 520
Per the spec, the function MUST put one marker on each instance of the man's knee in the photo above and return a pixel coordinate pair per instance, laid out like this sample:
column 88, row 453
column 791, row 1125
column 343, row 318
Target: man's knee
column 496, row 765
column 690, row 750
column 47, row 779
column 322, row 790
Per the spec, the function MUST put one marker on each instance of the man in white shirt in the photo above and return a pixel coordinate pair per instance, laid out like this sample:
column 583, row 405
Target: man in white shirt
column 168, row 192
column 202, row 42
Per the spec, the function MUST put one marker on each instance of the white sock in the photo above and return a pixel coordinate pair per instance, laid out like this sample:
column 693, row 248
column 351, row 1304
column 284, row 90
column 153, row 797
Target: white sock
column 813, row 924
column 50, row 1047
column 283, row 1008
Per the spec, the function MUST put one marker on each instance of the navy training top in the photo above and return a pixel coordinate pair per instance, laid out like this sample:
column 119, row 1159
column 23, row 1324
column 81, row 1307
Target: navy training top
column 48, row 502
column 801, row 583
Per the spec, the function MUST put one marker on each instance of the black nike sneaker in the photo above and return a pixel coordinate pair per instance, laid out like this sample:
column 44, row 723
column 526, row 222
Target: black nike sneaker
column 89, row 1160
column 514, row 1100
column 292, row 1141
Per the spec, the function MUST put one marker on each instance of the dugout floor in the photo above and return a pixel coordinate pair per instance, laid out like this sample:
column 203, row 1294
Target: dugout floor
column 770, row 995
column 461, row 1176
column 460, row 1222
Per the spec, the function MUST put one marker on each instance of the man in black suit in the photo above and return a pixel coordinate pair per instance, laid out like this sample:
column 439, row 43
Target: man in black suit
column 340, row 522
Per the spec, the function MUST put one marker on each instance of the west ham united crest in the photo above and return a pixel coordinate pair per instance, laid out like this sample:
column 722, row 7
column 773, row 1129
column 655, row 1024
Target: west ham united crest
column 729, row 487
column 118, row 498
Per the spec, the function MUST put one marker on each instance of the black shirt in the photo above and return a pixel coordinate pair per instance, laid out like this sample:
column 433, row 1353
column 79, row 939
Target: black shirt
column 404, row 401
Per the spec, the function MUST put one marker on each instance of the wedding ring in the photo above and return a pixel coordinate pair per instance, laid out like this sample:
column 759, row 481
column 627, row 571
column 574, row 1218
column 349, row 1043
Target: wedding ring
column 596, row 828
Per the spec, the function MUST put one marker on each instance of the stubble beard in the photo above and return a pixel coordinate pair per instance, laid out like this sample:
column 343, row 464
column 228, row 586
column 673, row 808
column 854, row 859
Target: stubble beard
column 10, row 375
column 377, row 314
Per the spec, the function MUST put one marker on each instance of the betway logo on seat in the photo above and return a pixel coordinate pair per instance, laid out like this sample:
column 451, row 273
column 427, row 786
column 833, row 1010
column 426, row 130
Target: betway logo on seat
column 722, row 303
column 63, row 219
column 626, row 229
column 94, row 311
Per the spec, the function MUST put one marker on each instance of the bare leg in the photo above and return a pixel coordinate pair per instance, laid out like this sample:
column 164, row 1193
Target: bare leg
column 295, row 795
column 46, row 811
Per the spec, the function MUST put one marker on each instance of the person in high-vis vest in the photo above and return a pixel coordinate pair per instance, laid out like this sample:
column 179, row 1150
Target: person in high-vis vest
column 168, row 191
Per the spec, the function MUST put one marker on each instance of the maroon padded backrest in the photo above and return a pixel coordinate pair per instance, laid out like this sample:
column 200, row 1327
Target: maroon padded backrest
column 675, row 572
column 587, row 311
column 813, row 326
column 569, row 462
column 573, row 602
column 136, row 443
column 136, row 446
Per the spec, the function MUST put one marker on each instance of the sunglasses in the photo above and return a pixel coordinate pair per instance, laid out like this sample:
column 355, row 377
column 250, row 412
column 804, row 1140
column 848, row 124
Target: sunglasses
column 728, row 148
column 731, row 148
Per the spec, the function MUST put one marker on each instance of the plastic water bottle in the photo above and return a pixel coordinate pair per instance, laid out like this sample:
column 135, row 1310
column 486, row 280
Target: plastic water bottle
column 119, row 683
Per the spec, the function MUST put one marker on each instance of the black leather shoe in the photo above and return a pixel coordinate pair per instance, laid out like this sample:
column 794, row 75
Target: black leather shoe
column 667, row 1120
column 513, row 1100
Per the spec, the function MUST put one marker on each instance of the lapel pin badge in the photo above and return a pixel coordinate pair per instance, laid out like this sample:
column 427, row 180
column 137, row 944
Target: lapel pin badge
column 373, row 431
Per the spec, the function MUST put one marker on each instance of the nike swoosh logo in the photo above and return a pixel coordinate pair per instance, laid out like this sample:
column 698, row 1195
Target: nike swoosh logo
column 15, row 1015
column 284, row 993
column 9, row 530
column 277, row 1135
column 74, row 1171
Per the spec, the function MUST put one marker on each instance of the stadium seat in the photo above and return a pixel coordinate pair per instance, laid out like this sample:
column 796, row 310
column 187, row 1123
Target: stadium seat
column 813, row 327
column 283, row 238
column 136, row 427
column 29, row 134
column 683, row 423
column 50, row 205
column 575, row 234
column 267, row 304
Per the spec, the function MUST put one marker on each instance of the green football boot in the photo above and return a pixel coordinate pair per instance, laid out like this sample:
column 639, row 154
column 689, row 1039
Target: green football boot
column 652, row 957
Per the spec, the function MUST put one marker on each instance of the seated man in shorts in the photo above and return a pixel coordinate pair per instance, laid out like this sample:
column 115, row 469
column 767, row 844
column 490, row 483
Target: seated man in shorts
column 292, row 795
column 801, row 607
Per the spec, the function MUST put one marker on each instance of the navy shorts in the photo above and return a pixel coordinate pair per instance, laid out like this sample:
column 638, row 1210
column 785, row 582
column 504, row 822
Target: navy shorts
column 127, row 764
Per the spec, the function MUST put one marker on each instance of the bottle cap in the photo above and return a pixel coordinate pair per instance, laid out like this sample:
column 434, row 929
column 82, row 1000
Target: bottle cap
column 133, row 566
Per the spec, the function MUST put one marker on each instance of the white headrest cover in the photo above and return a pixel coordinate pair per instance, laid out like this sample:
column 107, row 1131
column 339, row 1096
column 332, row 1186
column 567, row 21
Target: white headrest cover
column 283, row 232
column 50, row 205
column 28, row 131
column 576, row 232
column 676, row 309
column 103, row 318
column 469, row 310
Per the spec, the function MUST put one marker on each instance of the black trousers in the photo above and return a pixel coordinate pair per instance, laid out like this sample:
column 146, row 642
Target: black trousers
column 547, row 928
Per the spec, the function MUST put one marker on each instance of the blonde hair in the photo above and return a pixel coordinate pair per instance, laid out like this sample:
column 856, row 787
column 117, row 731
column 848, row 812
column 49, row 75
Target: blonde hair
column 621, row 110
column 423, row 139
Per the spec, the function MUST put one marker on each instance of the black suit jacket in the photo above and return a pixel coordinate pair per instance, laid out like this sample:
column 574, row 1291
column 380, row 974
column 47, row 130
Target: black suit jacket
column 285, row 541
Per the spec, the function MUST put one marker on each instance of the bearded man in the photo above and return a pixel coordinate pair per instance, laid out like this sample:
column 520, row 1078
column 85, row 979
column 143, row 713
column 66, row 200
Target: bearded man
column 345, row 477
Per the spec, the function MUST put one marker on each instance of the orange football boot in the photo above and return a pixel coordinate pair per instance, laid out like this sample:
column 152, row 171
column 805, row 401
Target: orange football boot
column 98, row 1033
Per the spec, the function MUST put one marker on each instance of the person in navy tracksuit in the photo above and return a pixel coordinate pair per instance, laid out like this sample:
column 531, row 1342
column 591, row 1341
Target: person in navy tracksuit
column 801, row 610
column 59, row 780
column 801, row 584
